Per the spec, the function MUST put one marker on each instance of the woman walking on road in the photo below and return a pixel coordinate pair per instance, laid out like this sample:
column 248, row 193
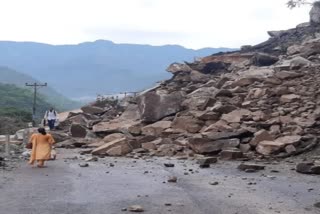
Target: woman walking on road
column 41, row 147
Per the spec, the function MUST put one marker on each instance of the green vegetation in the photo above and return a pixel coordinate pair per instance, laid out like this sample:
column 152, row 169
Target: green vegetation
column 18, row 98
column 16, row 113
column 9, row 76
column 16, row 101
column 16, row 107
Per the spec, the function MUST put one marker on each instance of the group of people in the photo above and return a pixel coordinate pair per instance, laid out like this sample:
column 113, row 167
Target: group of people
column 41, row 143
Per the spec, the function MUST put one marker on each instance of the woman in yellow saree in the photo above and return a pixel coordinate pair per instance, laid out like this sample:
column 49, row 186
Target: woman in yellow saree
column 41, row 147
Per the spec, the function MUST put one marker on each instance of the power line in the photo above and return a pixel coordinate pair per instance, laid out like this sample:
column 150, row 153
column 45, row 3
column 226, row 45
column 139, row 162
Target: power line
column 35, row 87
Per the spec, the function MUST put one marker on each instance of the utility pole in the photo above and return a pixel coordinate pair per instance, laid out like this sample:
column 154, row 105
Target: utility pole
column 35, row 87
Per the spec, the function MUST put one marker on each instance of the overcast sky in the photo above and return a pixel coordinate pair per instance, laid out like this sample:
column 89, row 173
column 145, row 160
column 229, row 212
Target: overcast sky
column 191, row 23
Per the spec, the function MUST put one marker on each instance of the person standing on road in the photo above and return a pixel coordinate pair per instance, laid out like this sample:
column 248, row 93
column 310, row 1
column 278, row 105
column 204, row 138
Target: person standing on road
column 41, row 147
column 51, row 116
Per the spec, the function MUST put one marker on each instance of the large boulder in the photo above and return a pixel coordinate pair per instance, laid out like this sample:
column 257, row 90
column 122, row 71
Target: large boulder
column 236, row 116
column 288, row 98
column 223, row 108
column 287, row 75
column 131, row 113
column 67, row 114
column 198, row 103
column 275, row 33
column 178, row 67
column 299, row 62
column 206, row 115
column 269, row 147
column 210, row 67
column 294, row 49
column 168, row 149
column 106, row 139
column 304, row 122
column 66, row 143
column 256, row 72
column 20, row 134
column 231, row 154
column 198, row 77
column 290, row 140
column 113, row 137
column 303, row 25
column 261, row 59
column 208, row 146
column 245, row 81
column 260, row 136
column 187, row 123
column 156, row 129
column 102, row 150
column 306, row 49
column 227, row 134
column 119, row 150
column 149, row 146
column 155, row 105
column 84, row 119
column 24, row 134
column 308, row 168
column 77, row 130
column 79, row 119
column 92, row 109
column 114, row 126
column 310, row 47
column 136, row 129
column 219, row 126
column 315, row 14
column 59, row 136
column 204, row 92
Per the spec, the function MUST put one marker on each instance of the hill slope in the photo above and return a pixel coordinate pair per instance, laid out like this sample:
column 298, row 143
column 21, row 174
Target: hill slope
column 16, row 108
column 9, row 76
column 96, row 67
column 18, row 98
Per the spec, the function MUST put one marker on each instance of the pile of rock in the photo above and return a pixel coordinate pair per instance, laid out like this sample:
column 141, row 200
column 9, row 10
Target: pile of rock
column 75, row 128
column 237, row 105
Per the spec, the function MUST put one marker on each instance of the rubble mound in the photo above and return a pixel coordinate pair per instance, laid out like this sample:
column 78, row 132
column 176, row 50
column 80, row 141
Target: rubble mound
column 261, row 101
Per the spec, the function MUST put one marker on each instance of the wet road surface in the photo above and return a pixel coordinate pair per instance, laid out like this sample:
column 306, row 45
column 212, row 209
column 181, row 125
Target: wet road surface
column 65, row 188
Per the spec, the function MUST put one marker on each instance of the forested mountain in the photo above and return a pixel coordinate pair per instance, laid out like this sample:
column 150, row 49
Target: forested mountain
column 9, row 76
column 96, row 67
column 16, row 108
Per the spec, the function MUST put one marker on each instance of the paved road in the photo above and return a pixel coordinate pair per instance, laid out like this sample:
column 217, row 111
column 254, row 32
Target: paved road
column 65, row 188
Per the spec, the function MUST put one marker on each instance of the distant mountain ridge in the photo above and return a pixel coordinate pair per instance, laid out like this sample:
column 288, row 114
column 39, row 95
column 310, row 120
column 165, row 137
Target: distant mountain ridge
column 96, row 67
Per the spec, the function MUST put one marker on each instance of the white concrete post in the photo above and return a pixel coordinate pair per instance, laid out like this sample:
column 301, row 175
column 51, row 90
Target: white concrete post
column 26, row 134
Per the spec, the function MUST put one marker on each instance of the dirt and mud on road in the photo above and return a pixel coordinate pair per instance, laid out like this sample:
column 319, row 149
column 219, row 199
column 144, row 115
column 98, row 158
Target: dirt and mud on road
column 111, row 185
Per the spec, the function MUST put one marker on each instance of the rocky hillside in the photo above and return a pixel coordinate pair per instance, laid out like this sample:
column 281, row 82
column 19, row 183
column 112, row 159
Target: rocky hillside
column 259, row 102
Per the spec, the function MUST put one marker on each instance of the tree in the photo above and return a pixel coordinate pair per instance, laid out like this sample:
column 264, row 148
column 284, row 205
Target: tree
column 297, row 3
